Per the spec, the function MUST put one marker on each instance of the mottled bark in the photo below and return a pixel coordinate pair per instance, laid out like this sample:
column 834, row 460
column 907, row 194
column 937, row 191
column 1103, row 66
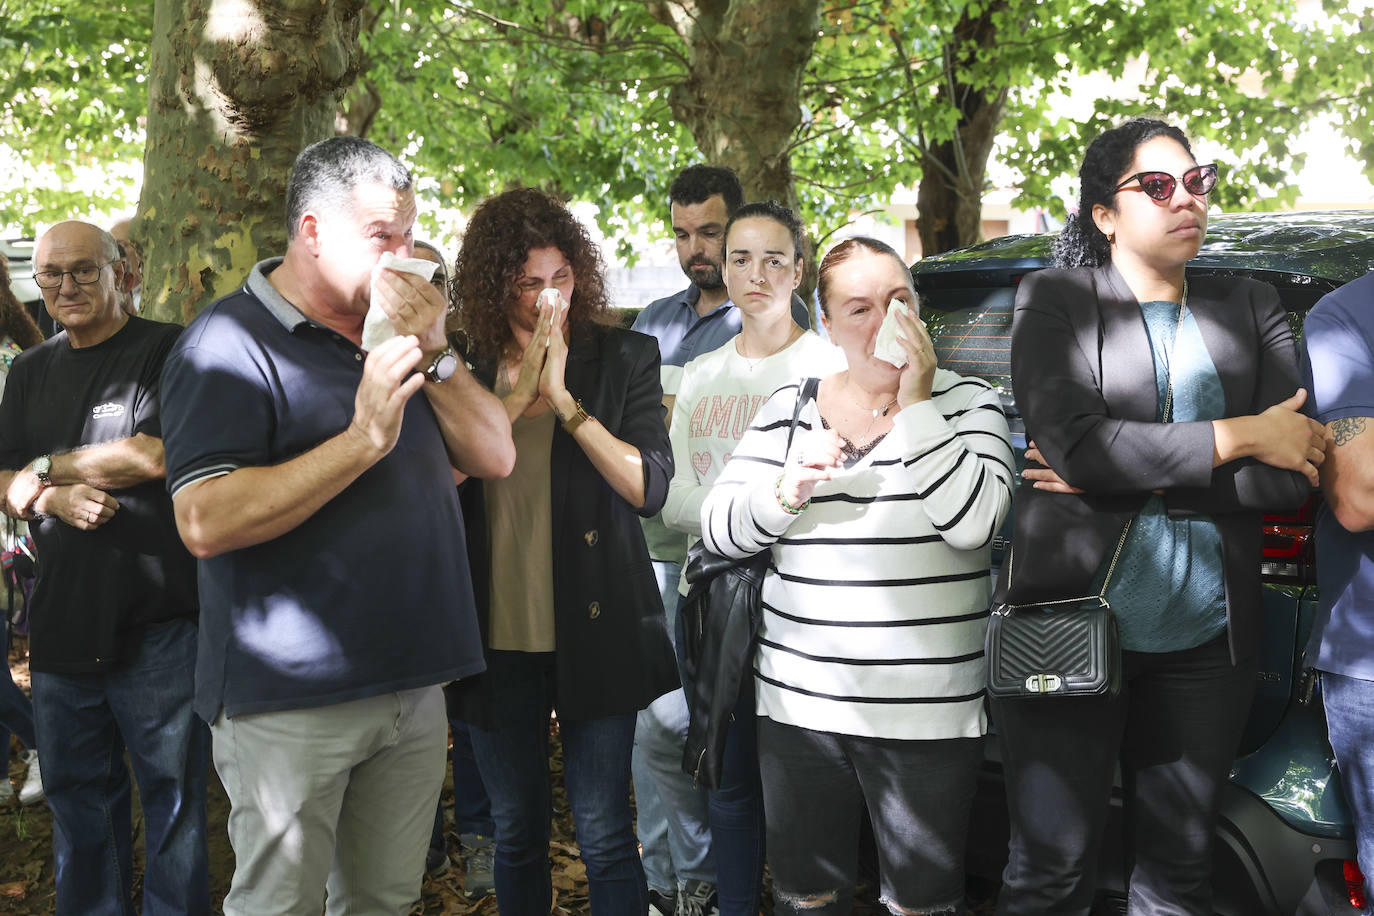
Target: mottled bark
column 742, row 96
column 949, row 202
column 238, row 88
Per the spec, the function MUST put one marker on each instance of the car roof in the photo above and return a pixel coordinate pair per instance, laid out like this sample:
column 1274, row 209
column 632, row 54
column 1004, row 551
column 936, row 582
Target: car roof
column 1325, row 248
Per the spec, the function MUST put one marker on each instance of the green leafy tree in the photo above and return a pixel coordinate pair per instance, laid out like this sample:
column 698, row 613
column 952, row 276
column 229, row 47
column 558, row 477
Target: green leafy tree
column 830, row 104
column 73, row 92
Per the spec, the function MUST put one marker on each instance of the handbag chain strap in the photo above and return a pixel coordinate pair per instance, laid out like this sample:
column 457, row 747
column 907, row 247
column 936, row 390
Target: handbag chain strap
column 1173, row 352
column 1101, row 596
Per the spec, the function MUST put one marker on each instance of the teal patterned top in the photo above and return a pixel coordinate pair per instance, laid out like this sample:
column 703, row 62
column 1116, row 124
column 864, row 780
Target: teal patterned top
column 1168, row 591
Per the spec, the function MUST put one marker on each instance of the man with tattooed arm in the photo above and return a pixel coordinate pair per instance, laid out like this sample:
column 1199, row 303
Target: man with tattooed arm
column 1339, row 367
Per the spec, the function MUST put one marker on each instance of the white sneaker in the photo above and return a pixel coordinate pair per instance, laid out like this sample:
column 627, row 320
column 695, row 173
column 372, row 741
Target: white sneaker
column 32, row 791
column 6, row 787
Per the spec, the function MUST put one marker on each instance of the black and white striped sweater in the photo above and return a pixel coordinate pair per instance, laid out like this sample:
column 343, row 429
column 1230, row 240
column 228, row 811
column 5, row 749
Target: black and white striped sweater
column 876, row 608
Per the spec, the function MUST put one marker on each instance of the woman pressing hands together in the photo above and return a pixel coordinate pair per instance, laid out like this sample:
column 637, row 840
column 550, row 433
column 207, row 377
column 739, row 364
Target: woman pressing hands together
column 570, row 611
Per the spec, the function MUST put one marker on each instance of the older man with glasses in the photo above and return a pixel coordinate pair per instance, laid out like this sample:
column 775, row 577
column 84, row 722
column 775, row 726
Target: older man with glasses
column 114, row 610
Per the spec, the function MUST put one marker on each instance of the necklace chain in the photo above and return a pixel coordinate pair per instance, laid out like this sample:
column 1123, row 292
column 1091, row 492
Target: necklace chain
column 752, row 363
column 876, row 412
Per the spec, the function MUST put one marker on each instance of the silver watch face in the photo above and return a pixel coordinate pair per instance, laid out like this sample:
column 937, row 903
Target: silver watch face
column 443, row 367
column 42, row 465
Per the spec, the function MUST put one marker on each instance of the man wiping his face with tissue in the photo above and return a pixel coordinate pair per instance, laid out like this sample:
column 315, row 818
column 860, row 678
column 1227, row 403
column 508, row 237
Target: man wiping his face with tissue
column 310, row 457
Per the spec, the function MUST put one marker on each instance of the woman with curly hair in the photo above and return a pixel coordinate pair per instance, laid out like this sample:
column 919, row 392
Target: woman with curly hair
column 1163, row 411
column 570, row 610
column 17, row 332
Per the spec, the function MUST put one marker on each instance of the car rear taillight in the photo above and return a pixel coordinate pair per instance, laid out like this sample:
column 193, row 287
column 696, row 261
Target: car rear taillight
column 1289, row 549
column 1354, row 883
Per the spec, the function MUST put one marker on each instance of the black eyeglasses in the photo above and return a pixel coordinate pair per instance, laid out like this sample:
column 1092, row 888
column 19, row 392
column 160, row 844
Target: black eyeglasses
column 85, row 276
column 1197, row 181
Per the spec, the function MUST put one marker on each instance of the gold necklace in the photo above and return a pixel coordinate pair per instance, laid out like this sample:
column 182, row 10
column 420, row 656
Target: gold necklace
column 792, row 336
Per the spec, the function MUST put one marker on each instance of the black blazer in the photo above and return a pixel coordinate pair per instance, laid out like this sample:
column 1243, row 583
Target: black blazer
column 1084, row 380
column 613, row 654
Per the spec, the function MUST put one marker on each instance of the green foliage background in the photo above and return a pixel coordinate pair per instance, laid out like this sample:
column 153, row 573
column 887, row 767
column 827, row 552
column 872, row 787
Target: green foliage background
column 575, row 95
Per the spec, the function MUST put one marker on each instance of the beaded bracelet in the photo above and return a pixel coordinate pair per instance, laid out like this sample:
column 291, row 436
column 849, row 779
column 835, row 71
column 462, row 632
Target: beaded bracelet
column 787, row 507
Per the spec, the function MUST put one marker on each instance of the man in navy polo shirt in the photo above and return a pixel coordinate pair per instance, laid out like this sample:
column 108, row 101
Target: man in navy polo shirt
column 1338, row 363
column 316, row 488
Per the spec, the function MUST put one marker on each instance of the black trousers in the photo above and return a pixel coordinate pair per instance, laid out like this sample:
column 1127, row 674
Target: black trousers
column 918, row 795
column 1174, row 729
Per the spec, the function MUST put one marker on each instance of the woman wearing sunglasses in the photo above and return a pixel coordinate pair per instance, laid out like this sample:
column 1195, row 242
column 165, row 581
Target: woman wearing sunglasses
column 1162, row 405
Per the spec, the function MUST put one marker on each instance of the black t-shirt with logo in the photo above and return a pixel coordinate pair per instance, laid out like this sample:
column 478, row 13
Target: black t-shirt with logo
column 97, row 590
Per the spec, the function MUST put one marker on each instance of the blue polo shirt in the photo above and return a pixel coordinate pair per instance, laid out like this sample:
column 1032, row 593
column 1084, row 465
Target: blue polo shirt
column 1338, row 373
column 371, row 594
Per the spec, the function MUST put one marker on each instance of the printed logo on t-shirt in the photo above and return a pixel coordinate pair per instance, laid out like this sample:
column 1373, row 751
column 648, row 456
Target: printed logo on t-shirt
column 724, row 417
column 108, row 409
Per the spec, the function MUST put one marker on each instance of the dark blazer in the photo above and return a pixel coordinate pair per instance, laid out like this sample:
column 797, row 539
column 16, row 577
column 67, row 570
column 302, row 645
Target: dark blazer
column 613, row 654
column 1084, row 380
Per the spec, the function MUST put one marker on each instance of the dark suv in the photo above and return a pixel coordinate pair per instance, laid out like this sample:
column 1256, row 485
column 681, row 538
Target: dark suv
column 1285, row 840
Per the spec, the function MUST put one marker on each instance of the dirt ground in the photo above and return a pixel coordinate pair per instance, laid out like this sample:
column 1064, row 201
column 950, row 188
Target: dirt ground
column 26, row 870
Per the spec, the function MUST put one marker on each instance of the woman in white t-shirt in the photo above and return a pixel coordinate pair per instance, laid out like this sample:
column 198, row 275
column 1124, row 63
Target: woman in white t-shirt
column 716, row 401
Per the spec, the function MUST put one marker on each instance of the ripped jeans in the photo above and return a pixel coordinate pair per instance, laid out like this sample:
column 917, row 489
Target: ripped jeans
column 918, row 795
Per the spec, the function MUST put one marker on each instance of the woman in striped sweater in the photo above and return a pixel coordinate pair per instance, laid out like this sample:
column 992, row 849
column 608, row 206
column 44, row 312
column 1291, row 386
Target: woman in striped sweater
column 869, row 675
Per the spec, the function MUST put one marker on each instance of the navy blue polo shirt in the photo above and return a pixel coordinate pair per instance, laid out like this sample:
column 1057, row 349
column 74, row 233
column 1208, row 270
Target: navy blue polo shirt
column 372, row 593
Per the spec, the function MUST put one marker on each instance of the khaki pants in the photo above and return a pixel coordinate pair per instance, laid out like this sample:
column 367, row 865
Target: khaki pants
column 339, row 799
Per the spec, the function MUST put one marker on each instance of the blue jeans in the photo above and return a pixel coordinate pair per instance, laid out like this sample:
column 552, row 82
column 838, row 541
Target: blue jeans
column 471, row 807
column 514, row 760
column 1350, row 723
column 16, row 711
column 85, row 723
column 673, row 817
column 736, row 808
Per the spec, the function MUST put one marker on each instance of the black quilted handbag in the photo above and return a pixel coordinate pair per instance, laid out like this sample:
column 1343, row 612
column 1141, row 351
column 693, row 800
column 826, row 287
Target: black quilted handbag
column 1068, row 648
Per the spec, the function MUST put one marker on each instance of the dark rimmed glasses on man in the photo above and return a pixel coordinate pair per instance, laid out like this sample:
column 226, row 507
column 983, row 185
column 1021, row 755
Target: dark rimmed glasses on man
column 1197, row 181
column 84, row 276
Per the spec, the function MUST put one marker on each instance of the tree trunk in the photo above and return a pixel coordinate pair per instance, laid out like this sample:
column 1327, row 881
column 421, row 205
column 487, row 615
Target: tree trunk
column 238, row 88
column 742, row 97
column 949, row 202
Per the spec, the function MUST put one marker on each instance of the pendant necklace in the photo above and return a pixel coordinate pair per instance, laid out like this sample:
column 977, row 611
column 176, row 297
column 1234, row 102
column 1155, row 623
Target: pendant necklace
column 879, row 411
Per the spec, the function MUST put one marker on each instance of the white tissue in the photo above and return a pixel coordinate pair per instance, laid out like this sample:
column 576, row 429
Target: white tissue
column 377, row 326
column 554, row 299
column 887, row 346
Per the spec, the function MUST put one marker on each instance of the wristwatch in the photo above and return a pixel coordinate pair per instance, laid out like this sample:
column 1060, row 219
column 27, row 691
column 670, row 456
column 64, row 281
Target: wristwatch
column 42, row 467
column 443, row 366
column 579, row 417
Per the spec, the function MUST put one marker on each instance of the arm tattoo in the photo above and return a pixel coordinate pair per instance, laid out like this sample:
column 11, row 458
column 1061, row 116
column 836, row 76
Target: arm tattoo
column 1347, row 428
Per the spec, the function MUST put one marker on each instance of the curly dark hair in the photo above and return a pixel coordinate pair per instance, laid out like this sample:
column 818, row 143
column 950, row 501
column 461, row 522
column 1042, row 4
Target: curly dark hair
column 783, row 216
column 1081, row 243
column 843, row 251
column 15, row 320
column 491, row 260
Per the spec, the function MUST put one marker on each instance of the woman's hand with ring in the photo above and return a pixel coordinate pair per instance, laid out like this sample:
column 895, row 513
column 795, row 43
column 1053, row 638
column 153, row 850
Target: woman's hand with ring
column 918, row 376
column 815, row 454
